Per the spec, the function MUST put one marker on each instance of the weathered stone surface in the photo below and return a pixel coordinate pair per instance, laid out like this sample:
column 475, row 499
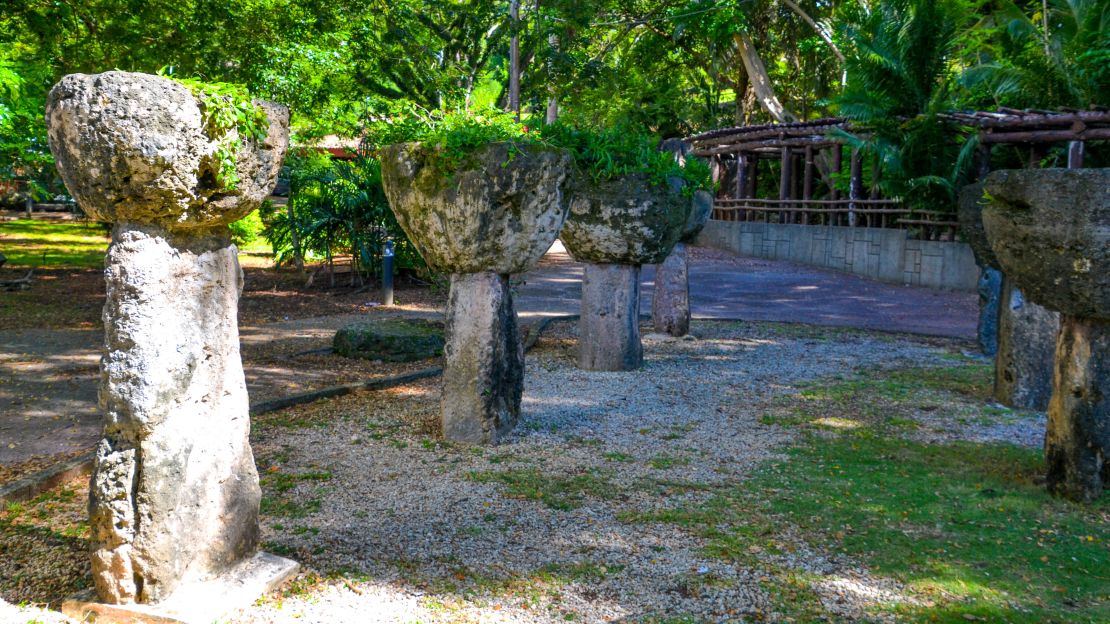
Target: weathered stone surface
column 609, row 326
column 174, row 493
column 990, row 295
column 700, row 209
column 1026, row 348
column 626, row 220
column 970, row 211
column 1050, row 229
column 133, row 147
column 1077, row 443
column 670, row 302
column 483, row 374
column 500, row 213
column 390, row 340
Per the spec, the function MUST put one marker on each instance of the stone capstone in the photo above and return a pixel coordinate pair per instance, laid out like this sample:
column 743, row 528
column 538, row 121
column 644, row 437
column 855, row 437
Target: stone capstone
column 970, row 206
column 390, row 340
column 1050, row 229
column 134, row 147
column 670, row 302
column 483, row 375
column 499, row 213
column 174, row 493
column 609, row 326
column 626, row 220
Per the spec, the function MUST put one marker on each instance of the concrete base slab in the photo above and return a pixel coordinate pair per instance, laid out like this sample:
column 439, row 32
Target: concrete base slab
column 201, row 602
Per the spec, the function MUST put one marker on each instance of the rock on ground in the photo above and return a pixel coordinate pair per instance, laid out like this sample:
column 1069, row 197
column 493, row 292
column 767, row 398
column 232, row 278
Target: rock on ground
column 390, row 340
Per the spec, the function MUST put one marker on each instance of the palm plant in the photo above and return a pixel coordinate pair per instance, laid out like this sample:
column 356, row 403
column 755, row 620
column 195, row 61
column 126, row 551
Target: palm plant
column 1048, row 54
column 899, row 81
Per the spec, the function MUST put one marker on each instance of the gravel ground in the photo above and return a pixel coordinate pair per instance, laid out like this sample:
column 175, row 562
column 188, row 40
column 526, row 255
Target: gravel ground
column 399, row 516
column 394, row 526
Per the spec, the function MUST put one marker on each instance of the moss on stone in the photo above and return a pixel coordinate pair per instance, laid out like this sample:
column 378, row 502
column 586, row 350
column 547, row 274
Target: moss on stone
column 390, row 340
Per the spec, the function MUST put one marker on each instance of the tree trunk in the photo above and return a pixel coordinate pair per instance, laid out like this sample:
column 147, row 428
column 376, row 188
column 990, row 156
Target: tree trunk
column 514, row 59
column 760, row 80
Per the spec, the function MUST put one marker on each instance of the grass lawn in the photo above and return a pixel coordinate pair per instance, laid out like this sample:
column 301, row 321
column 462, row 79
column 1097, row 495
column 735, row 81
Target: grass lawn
column 36, row 243
column 967, row 529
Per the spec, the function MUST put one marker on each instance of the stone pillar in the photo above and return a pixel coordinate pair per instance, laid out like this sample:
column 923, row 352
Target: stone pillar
column 990, row 294
column 174, row 493
column 1026, row 348
column 1050, row 230
column 609, row 328
column 494, row 217
column 670, row 302
column 174, row 490
column 483, row 373
column 1077, row 443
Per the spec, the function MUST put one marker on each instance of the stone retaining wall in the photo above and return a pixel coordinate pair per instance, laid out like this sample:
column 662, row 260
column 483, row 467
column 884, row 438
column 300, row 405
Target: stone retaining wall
column 878, row 253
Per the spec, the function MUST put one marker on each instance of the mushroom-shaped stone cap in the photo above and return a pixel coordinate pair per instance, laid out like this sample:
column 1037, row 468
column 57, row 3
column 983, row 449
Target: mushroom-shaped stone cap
column 1050, row 229
column 626, row 220
column 134, row 147
column 499, row 212
column 971, row 203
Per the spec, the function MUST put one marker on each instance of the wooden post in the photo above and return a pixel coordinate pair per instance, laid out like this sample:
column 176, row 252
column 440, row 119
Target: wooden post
column 785, row 179
column 834, row 193
column 753, row 175
column 807, row 182
column 855, row 188
column 741, row 175
column 1075, row 154
column 984, row 160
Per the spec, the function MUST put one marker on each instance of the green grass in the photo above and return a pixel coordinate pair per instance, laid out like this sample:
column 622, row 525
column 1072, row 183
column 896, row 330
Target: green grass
column 967, row 528
column 51, row 244
column 32, row 243
column 557, row 492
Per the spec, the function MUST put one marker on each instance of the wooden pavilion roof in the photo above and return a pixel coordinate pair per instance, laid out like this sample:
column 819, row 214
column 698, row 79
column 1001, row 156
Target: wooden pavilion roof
column 767, row 138
column 1009, row 125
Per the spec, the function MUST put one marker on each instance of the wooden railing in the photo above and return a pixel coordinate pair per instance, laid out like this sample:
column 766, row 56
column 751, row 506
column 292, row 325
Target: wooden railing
column 875, row 213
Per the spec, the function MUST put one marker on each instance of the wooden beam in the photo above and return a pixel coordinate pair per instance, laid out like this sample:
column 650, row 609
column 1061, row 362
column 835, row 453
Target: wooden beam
column 855, row 189
column 741, row 175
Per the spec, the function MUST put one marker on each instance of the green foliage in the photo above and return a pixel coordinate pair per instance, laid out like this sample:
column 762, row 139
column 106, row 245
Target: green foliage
column 230, row 116
column 454, row 135
column 899, row 80
column 246, row 230
column 337, row 207
column 621, row 151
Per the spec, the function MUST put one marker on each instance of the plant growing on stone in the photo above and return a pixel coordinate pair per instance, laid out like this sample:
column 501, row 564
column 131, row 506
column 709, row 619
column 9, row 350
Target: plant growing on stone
column 227, row 107
column 454, row 135
column 620, row 151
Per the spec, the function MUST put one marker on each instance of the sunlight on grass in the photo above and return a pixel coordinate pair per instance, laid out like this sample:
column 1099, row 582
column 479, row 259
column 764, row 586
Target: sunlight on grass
column 51, row 244
column 31, row 243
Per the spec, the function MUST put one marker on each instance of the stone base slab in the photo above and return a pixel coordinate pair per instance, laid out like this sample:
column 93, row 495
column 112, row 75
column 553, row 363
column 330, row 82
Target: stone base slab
column 201, row 602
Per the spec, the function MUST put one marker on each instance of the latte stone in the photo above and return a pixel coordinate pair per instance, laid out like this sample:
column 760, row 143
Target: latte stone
column 1050, row 229
column 493, row 216
column 614, row 227
column 174, row 494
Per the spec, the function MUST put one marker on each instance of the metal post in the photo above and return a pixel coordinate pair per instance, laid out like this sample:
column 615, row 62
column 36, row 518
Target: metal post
column 387, row 274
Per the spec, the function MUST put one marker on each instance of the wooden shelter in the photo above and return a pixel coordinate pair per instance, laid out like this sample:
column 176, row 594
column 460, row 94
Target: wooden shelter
column 811, row 156
column 1037, row 130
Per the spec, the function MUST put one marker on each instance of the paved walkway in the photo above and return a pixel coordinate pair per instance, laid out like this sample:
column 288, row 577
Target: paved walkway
column 48, row 378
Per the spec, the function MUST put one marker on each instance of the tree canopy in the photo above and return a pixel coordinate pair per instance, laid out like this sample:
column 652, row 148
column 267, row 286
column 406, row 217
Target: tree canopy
column 672, row 67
